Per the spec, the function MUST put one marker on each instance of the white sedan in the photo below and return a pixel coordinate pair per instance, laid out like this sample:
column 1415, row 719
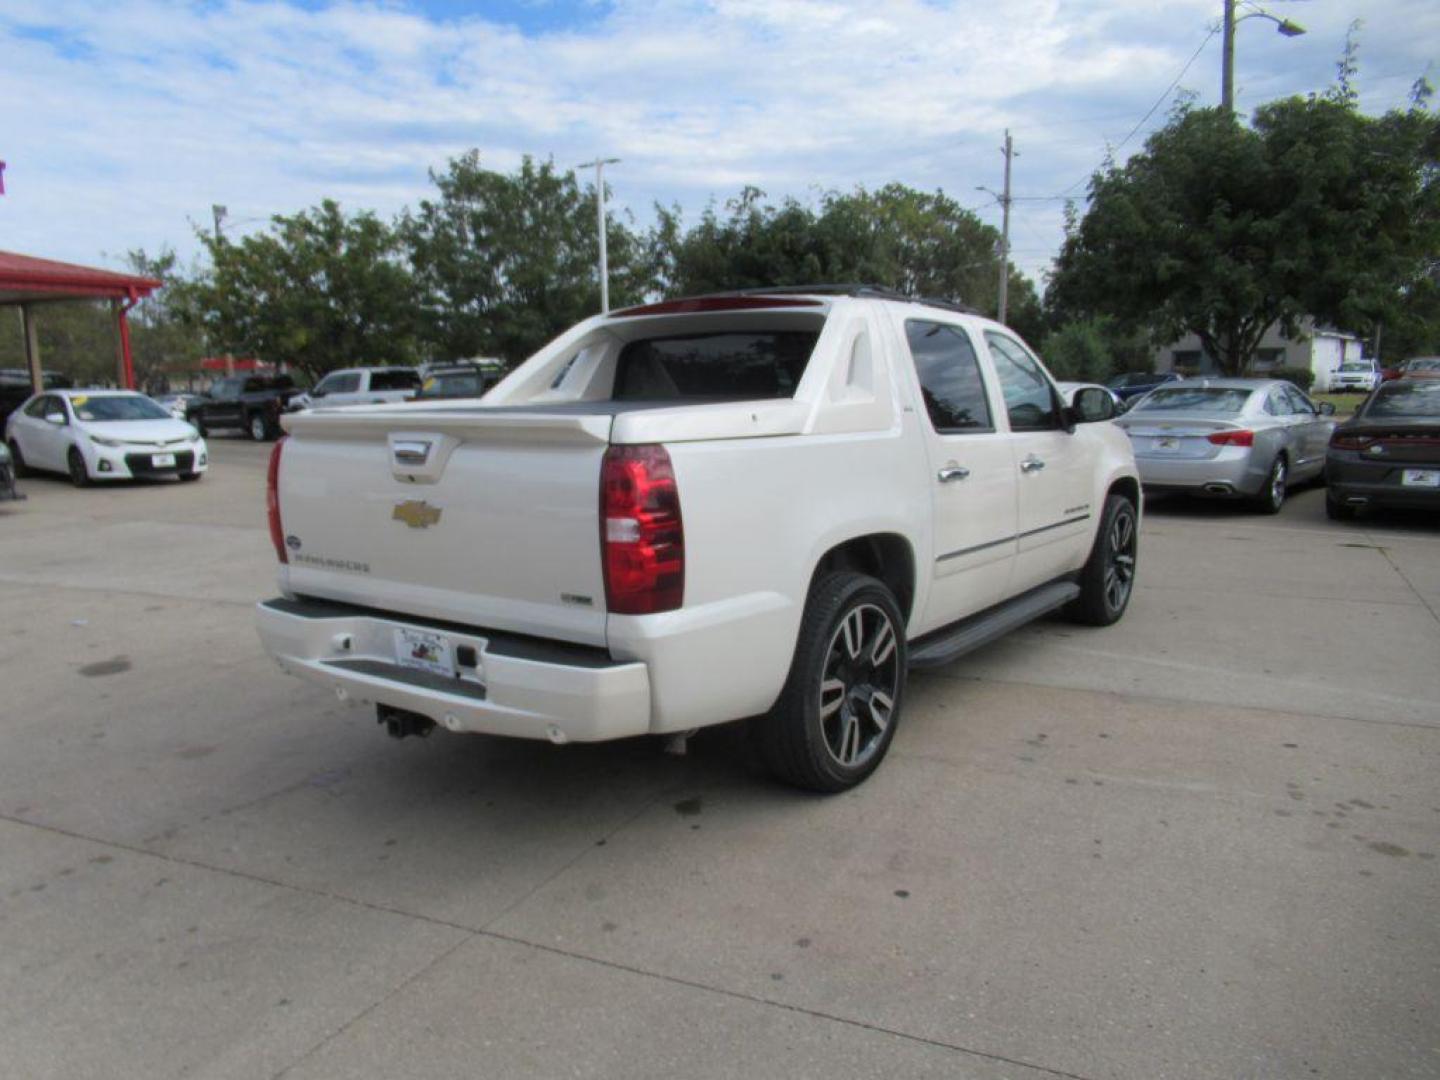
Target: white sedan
column 103, row 435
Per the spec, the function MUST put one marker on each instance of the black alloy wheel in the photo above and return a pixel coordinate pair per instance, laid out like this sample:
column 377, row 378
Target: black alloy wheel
column 79, row 476
column 858, row 686
column 1108, row 578
column 836, row 716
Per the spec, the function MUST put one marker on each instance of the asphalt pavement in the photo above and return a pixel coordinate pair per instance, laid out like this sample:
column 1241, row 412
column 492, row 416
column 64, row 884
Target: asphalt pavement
column 1201, row 843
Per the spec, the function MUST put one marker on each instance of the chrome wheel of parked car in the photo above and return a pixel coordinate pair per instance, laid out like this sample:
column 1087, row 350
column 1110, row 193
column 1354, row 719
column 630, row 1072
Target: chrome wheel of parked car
column 857, row 688
column 259, row 429
column 836, row 716
column 1272, row 495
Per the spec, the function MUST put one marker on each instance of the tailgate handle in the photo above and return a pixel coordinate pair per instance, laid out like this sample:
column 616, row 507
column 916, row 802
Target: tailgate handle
column 409, row 452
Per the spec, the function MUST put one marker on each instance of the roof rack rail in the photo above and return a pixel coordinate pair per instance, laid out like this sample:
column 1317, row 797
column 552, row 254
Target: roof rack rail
column 860, row 290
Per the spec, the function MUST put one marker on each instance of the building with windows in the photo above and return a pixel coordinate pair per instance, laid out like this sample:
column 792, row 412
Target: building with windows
column 1319, row 349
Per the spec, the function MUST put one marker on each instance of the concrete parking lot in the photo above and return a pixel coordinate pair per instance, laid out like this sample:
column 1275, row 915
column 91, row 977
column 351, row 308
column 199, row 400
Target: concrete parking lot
column 1198, row 844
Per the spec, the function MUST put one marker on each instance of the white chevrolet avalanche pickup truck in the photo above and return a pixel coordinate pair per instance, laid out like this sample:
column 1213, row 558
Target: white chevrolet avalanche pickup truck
column 755, row 505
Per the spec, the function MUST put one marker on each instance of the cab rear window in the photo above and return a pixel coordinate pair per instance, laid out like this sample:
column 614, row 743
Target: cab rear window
column 734, row 365
column 394, row 380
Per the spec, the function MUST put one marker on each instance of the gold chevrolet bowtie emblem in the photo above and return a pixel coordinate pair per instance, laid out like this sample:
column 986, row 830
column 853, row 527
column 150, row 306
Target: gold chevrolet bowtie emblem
column 418, row 514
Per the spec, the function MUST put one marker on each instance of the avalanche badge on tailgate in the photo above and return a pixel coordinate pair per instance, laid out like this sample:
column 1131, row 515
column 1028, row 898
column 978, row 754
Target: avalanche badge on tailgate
column 416, row 513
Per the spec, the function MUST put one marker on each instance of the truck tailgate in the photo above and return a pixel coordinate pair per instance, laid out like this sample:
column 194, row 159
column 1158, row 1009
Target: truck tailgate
column 481, row 516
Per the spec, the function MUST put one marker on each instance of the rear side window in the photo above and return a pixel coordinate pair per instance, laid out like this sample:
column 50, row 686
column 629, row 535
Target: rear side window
column 738, row 365
column 1030, row 400
column 949, row 376
column 394, row 380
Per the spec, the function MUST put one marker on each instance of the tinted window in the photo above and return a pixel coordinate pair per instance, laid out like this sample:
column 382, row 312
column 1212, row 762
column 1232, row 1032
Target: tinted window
column 1420, row 399
column 949, row 377
column 1207, row 399
column 118, row 407
column 340, row 384
column 394, row 380
column 1030, row 400
column 738, row 366
column 459, row 384
column 41, row 405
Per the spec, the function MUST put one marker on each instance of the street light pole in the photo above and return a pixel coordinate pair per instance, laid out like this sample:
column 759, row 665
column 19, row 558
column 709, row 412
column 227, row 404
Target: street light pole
column 599, row 164
column 1009, row 152
column 1283, row 27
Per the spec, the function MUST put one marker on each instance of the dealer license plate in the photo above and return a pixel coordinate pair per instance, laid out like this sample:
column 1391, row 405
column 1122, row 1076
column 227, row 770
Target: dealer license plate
column 423, row 650
column 1420, row 478
column 162, row 461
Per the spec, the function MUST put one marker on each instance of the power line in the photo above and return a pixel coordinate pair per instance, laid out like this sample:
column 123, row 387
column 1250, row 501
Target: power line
column 1149, row 113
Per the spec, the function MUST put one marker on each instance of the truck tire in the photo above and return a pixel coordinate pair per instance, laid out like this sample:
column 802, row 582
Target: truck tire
column 1108, row 578
column 836, row 716
column 260, row 427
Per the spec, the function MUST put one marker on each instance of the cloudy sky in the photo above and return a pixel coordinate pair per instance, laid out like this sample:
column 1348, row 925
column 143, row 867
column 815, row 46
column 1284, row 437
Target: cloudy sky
column 125, row 120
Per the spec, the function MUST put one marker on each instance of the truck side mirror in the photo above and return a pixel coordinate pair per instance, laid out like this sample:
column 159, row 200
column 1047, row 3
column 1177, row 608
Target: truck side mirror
column 1091, row 405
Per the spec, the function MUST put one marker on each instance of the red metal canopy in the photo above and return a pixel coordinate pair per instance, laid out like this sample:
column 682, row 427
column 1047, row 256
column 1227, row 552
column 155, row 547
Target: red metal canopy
column 26, row 280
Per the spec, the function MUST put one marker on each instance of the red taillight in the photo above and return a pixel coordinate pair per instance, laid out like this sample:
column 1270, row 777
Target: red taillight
column 1342, row 441
column 1232, row 438
column 641, row 534
column 272, row 500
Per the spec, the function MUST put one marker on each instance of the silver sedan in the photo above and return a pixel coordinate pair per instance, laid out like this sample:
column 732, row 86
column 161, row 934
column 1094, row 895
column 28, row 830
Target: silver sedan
column 1229, row 438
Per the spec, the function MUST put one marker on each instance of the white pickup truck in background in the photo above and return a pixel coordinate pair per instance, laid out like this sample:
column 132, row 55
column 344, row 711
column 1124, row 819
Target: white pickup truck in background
column 758, row 505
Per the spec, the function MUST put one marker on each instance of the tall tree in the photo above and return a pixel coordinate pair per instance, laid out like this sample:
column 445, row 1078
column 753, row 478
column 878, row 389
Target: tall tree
column 166, row 341
column 505, row 261
column 1223, row 230
column 919, row 243
column 319, row 290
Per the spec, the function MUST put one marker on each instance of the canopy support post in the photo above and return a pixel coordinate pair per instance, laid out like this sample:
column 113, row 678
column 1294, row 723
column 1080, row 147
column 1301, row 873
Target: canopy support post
column 127, row 360
column 32, row 348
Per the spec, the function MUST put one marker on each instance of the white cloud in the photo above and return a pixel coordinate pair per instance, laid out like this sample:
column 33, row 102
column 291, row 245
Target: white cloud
column 132, row 117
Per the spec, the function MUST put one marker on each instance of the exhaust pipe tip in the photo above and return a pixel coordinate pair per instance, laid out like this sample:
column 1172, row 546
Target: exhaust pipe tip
column 1219, row 489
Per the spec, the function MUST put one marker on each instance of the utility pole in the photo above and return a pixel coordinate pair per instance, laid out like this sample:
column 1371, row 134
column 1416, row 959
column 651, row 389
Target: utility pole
column 219, row 213
column 1005, row 200
column 599, row 164
column 1227, row 58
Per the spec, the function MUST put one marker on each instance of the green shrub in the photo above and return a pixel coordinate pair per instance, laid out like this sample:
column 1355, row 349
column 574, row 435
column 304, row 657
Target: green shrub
column 1077, row 352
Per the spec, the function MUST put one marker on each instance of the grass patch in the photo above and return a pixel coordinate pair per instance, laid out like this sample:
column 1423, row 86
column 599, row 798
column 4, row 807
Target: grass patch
column 1345, row 404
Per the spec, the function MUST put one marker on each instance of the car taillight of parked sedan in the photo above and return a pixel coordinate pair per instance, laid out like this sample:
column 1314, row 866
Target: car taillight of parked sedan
column 1232, row 438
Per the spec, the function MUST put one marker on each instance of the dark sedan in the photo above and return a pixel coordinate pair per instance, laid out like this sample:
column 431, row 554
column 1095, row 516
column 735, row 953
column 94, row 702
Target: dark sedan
column 1132, row 384
column 1388, row 453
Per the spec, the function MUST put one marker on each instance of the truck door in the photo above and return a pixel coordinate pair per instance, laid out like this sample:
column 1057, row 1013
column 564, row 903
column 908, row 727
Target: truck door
column 1054, row 468
column 971, row 475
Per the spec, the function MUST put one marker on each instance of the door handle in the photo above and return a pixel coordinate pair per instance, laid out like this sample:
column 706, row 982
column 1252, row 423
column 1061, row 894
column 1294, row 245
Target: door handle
column 1031, row 464
column 951, row 473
